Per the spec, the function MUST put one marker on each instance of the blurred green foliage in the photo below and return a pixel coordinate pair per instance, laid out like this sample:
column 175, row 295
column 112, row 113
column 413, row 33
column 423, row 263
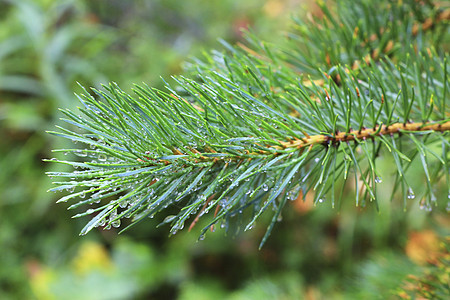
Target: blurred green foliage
column 46, row 47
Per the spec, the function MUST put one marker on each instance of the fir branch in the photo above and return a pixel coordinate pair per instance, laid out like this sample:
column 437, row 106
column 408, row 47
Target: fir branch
column 249, row 133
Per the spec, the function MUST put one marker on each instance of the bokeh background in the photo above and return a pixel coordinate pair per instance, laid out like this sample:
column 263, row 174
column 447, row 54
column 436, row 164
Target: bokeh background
column 46, row 48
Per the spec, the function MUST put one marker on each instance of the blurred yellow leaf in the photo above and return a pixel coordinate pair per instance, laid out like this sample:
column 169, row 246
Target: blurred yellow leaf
column 273, row 8
column 40, row 280
column 422, row 246
column 91, row 255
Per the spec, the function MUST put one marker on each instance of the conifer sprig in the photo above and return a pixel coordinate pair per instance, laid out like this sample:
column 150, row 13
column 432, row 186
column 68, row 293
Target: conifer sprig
column 260, row 125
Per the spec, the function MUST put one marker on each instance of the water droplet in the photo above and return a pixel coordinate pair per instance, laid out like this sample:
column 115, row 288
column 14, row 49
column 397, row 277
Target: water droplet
column 169, row 218
column 265, row 187
column 116, row 223
column 321, row 200
column 316, row 159
column 293, row 194
column 279, row 218
column 90, row 211
column 81, row 153
column 82, row 195
column 378, row 179
column 411, row 194
column 113, row 215
column 102, row 157
column 201, row 237
column 223, row 202
column 102, row 222
column 422, row 204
